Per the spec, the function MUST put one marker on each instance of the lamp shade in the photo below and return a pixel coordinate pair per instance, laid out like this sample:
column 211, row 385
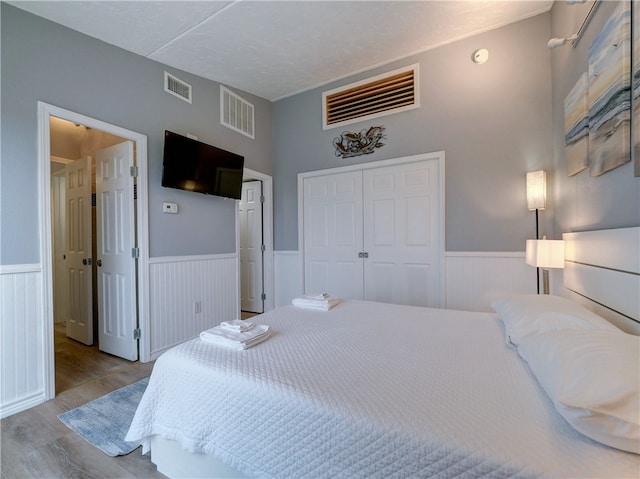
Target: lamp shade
column 536, row 190
column 545, row 253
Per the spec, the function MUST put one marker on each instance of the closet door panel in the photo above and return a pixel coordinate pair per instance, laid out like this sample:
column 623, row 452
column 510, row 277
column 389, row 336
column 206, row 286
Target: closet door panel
column 400, row 233
column 417, row 233
column 383, row 226
column 382, row 282
column 417, row 277
column 333, row 235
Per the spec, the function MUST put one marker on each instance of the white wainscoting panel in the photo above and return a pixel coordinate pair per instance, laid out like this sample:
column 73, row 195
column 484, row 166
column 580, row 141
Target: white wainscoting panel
column 288, row 279
column 475, row 278
column 21, row 341
column 189, row 294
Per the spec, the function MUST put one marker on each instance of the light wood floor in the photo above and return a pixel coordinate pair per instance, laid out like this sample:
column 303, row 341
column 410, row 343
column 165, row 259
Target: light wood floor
column 77, row 363
column 35, row 444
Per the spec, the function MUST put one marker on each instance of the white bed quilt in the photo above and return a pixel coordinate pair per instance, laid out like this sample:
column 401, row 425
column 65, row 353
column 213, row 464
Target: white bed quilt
column 369, row 390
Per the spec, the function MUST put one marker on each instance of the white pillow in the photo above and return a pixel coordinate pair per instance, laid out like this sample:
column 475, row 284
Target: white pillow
column 593, row 379
column 527, row 314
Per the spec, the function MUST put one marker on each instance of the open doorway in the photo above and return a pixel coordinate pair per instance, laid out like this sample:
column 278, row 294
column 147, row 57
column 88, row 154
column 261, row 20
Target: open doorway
column 75, row 234
column 117, row 167
column 255, row 244
column 252, row 248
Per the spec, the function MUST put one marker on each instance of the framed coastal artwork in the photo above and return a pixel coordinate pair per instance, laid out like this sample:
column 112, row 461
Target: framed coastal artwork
column 610, row 93
column 636, row 85
column 576, row 126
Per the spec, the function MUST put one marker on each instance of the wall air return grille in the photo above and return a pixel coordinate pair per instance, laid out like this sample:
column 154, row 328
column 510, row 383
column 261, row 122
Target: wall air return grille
column 177, row 87
column 384, row 94
column 236, row 113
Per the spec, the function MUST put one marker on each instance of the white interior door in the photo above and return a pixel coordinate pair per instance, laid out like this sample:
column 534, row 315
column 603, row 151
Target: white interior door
column 401, row 205
column 79, row 322
column 115, row 211
column 333, row 235
column 251, row 253
column 59, row 235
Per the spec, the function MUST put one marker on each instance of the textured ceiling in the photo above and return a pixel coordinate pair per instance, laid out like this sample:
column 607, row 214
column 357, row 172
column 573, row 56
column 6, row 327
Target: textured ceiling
column 274, row 49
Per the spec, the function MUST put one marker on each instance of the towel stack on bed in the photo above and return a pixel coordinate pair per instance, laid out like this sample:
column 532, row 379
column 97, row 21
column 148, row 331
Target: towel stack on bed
column 237, row 334
column 321, row 302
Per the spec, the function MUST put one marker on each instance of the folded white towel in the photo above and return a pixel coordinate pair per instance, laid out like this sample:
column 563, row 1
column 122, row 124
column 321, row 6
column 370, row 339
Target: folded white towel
column 317, row 304
column 237, row 325
column 236, row 340
column 320, row 296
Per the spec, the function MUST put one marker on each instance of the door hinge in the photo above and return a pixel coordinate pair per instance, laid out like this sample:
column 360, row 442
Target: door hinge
column 263, row 248
column 261, row 198
column 135, row 252
column 136, row 333
column 134, row 171
column 263, row 296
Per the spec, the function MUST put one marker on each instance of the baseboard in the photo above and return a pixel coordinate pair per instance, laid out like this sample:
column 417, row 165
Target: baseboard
column 21, row 404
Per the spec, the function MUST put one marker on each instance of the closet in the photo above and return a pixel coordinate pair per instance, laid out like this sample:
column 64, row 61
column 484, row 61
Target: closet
column 375, row 231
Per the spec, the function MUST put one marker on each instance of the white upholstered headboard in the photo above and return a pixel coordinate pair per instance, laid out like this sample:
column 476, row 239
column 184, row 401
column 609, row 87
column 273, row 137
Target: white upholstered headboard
column 602, row 272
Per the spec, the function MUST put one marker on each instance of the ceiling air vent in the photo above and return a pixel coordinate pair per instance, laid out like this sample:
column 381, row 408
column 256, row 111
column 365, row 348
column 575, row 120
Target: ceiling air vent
column 177, row 87
column 236, row 112
column 384, row 94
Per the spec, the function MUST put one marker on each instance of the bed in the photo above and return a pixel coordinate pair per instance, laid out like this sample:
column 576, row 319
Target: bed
column 370, row 390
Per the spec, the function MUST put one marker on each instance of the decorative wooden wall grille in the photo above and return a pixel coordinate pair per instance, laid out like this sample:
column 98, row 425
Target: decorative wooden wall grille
column 382, row 94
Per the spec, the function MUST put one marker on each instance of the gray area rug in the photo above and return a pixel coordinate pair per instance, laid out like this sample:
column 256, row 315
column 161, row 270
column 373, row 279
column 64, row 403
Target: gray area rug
column 104, row 422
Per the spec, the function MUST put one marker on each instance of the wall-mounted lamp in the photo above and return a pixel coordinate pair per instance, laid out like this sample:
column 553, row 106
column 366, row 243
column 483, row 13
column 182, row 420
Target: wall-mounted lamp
column 558, row 42
column 575, row 38
column 545, row 254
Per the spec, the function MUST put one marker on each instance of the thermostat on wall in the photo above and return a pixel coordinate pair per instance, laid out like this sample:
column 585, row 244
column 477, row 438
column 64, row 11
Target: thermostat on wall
column 170, row 207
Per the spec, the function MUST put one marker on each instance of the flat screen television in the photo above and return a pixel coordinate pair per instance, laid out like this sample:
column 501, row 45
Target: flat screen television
column 191, row 165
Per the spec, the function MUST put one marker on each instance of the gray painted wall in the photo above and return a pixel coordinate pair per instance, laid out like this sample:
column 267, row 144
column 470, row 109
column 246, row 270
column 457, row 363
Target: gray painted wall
column 584, row 202
column 45, row 61
column 493, row 121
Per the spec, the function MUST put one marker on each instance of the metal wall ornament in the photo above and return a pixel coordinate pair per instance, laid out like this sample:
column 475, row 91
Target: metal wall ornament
column 350, row 144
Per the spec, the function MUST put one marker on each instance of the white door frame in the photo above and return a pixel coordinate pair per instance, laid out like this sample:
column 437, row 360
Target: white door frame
column 267, row 237
column 439, row 156
column 77, row 199
column 249, row 237
column 45, row 111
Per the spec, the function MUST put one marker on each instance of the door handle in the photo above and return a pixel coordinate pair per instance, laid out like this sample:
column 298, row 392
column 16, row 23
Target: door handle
column 86, row 261
column 99, row 263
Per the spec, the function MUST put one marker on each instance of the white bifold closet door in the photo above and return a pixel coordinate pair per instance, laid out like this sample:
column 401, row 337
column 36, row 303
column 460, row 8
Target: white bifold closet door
column 333, row 235
column 373, row 234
